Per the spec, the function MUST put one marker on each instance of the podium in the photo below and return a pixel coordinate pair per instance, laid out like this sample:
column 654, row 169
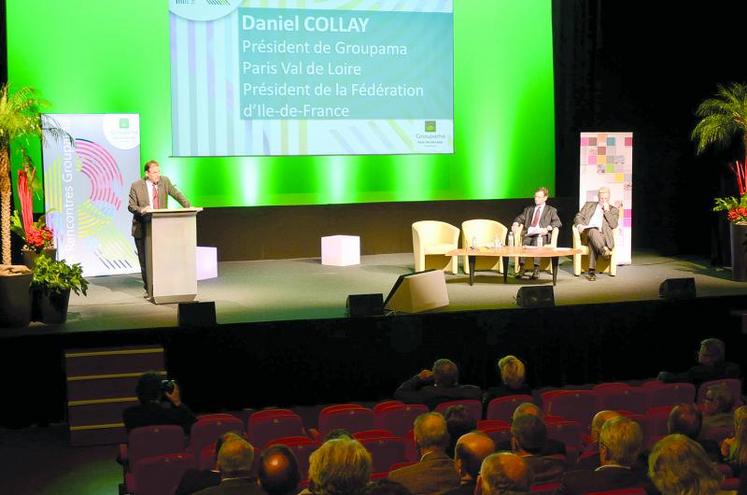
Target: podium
column 170, row 255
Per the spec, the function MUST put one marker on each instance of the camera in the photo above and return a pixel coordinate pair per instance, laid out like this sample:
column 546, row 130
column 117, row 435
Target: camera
column 167, row 386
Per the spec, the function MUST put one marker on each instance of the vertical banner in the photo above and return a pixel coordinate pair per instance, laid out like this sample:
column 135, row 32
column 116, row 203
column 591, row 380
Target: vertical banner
column 86, row 189
column 607, row 160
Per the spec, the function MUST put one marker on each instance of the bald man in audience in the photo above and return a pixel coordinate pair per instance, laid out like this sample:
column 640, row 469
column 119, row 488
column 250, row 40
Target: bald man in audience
column 551, row 446
column 278, row 471
column 589, row 459
column 435, row 473
column 471, row 449
column 235, row 460
column 528, row 438
column 620, row 443
column 504, row 473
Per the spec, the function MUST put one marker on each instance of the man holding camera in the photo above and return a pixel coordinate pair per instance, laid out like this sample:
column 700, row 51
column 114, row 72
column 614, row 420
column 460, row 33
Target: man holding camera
column 153, row 410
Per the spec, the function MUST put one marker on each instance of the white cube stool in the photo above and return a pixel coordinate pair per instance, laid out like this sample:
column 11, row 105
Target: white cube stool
column 341, row 250
column 207, row 262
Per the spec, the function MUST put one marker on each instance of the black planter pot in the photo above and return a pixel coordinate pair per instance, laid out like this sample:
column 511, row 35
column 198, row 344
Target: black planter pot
column 738, row 252
column 15, row 300
column 52, row 306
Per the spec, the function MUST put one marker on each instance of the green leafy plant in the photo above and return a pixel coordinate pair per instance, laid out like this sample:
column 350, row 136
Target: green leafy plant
column 723, row 118
column 58, row 276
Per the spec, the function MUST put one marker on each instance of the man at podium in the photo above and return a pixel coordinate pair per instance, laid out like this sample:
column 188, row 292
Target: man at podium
column 150, row 193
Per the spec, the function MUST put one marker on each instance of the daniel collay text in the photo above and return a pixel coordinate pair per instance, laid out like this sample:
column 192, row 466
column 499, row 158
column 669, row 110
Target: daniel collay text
column 320, row 24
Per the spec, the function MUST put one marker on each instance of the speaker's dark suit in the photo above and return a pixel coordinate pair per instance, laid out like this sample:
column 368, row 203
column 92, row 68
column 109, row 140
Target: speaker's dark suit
column 139, row 200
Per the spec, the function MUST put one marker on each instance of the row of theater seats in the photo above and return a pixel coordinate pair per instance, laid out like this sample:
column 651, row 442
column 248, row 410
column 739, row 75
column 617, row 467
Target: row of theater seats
column 156, row 456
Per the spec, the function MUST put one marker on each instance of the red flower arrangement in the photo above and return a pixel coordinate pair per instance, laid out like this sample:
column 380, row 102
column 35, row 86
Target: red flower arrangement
column 736, row 208
column 36, row 236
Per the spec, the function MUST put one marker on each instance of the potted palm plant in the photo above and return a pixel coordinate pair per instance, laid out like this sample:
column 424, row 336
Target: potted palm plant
column 52, row 282
column 723, row 120
column 22, row 125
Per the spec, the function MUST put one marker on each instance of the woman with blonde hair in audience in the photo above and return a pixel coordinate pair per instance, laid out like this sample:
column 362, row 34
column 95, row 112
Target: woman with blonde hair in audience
column 734, row 449
column 513, row 380
column 678, row 465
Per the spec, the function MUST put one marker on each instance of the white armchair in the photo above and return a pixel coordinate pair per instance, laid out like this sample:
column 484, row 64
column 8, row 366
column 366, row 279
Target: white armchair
column 604, row 265
column 545, row 263
column 485, row 231
column 431, row 240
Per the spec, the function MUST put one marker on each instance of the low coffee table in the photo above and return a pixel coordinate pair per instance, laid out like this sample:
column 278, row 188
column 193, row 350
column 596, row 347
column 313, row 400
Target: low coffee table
column 513, row 251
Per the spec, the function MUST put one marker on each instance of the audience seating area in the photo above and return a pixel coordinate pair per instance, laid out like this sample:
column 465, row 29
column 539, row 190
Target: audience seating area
column 156, row 456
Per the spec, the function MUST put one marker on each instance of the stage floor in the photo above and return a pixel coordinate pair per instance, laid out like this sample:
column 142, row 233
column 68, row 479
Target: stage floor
column 253, row 291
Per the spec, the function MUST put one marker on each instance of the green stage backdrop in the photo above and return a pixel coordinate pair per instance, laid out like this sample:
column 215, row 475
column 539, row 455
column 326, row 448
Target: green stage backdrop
column 91, row 56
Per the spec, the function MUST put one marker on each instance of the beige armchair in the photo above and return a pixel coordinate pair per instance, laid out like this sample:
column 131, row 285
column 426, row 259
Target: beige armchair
column 486, row 232
column 545, row 263
column 431, row 240
column 604, row 265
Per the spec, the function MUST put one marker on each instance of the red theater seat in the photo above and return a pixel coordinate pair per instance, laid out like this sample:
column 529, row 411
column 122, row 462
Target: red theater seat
column 352, row 419
column 574, row 405
column 266, row 427
column 158, row 475
column 503, row 407
column 151, row 441
column 398, row 418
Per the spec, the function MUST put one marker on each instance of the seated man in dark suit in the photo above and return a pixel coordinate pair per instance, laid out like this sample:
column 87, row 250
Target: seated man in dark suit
column 432, row 387
column 235, row 460
column 278, row 471
column 504, row 473
column 687, row 420
column 620, row 443
column 711, row 366
column 528, row 438
column 150, row 391
column 471, row 449
column 551, row 446
column 435, row 473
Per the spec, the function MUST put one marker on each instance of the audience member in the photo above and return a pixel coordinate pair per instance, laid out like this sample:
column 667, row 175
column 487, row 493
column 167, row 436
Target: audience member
column 620, row 443
column 513, row 376
column 193, row 480
column 435, row 472
column 679, row 466
column 528, row 439
column 337, row 433
column 504, row 473
column 687, row 420
column 432, row 387
column 458, row 422
column 385, row 487
column 471, row 449
column 589, row 459
column 734, row 449
column 711, row 366
column 235, row 459
column 339, row 467
column 718, row 418
column 551, row 447
column 278, row 471
column 151, row 391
